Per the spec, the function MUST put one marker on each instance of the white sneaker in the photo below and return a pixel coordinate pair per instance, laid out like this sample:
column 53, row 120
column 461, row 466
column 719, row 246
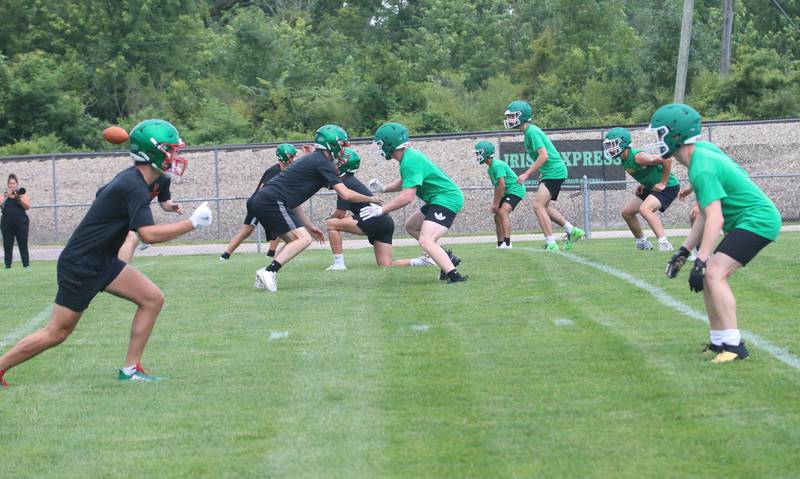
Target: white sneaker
column 665, row 246
column 504, row 246
column 268, row 278
column 693, row 255
column 336, row 267
column 143, row 246
column 427, row 259
column 644, row 245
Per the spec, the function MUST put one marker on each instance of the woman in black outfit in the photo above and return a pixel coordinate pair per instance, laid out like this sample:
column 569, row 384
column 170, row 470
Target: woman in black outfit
column 15, row 221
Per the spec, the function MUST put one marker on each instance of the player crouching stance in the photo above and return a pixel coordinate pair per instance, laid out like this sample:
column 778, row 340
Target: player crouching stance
column 278, row 205
column 657, row 189
column 89, row 263
column 729, row 201
column 507, row 192
column 419, row 175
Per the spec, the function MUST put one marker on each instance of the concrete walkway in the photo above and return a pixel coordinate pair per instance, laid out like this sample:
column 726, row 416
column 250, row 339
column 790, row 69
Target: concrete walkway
column 217, row 248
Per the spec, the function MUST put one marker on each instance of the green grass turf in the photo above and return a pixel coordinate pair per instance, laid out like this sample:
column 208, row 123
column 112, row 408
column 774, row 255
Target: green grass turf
column 494, row 388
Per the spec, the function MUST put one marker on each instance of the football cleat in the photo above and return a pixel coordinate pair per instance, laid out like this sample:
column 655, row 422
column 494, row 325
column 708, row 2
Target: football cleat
column 143, row 246
column 644, row 245
column 551, row 247
column 711, row 349
column 731, row 353
column 223, row 260
column 139, row 374
column 571, row 238
column 693, row 255
column 427, row 259
column 454, row 259
column 504, row 246
column 457, row 279
column 269, row 279
column 665, row 246
column 336, row 267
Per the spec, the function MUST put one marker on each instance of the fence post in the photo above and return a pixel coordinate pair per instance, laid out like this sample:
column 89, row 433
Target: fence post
column 216, row 191
column 258, row 238
column 709, row 134
column 55, row 198
column 585, row 189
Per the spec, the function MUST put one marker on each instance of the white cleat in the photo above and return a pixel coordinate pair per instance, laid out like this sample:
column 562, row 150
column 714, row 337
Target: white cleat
column 143, row 246
column 665, row 246
column 644, row 245
column 693, row 255
column 336, row 267
column 268, row 278
column 427, row 259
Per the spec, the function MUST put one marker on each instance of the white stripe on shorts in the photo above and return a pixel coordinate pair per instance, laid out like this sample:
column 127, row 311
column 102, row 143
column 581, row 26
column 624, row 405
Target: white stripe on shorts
column 286, row 217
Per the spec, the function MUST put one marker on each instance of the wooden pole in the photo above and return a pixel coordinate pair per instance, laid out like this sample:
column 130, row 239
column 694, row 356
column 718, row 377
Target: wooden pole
column 727, row 35
column 683, row 50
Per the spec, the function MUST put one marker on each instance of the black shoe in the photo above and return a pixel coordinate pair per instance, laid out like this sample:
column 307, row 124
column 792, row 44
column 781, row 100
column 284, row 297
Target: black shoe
column 712, row 348
column 457, row 279
column 731, row 353
column 454, row 259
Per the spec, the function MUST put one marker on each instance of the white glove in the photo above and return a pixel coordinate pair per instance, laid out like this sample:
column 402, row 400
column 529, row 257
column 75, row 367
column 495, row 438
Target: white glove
column 201, row 216
column 370, row 211
column 375, row 185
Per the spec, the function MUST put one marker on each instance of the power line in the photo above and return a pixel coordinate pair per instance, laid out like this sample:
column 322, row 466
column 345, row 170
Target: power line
column 788, row 18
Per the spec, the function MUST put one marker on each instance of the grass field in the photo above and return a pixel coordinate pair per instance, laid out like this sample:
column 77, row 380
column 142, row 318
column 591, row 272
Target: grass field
column 539, row 366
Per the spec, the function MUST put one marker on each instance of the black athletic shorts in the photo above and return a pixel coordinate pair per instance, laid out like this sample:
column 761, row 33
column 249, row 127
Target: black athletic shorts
column 251, row 220
column 273, row 215
column 379, row 228
column 76, row 289
column 512, row 200
column 438, row 214
column 742, row 245
column 665, row 196
column 554, row 187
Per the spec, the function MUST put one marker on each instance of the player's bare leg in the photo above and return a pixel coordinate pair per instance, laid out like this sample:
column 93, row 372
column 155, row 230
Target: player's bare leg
column 137, row 288
column 505, row 220
column 383, row 254
column 629, row 212
column 128, row 247
column 296, row 240
column 62, row 322
column 429, row 240
column 335, row 227
column 273, row 246
column 719, row 268
column 244, row 232
column 498, row 227
column 541, row 200
column 414, row 224
column 648, row 210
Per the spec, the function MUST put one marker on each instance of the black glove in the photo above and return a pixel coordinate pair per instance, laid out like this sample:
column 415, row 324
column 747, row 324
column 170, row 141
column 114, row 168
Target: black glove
column 697, row 276
column 676, row 262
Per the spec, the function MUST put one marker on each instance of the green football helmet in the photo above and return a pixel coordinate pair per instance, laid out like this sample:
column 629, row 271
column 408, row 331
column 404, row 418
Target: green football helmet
column 517, row 113
column 158, row 143
column 674, row 125
column 616, row 141
column 332, row 138
column 483, row 151
column 286, row 153
column 390, row 137
column 351, row 162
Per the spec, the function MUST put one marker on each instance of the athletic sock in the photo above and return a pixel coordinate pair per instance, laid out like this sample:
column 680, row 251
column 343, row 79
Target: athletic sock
column 338, row 259
column 128, row 370
column 731, row 337
column 507, row 241
column 274, row 266
column 225, row 255
column 271, row 253
column 715, row 336
column 550, row 239
column 568, row 227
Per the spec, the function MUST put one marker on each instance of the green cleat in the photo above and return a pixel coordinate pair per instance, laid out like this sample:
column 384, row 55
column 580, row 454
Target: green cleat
column 139, row 374
column 573, row 237
column 551, row 247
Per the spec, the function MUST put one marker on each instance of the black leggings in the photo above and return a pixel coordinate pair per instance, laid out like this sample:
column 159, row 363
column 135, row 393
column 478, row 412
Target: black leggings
column 15, row 226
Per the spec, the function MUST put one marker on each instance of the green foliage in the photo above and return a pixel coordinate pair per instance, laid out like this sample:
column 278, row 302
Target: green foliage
column 268, row 70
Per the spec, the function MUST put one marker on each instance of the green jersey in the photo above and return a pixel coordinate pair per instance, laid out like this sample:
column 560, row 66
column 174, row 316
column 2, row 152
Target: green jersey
column 433, row 185
column 500, row 169
column 554, row 168
column 715, row 176
column 648, row 176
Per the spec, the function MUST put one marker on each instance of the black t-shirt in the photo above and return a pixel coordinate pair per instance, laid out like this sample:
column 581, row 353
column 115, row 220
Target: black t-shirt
column 304, row 177
column 352, row 182
column 119, row 206
column 269, row 174
column 12, row 207
column 160, row 189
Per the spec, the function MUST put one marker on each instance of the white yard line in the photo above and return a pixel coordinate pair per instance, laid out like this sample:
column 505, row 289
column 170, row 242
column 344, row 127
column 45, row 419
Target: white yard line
column 32, row 324
column 779, row 353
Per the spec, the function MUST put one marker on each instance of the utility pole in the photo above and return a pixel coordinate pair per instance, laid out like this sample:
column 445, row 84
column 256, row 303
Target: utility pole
column 683, row 50
column 727, row 34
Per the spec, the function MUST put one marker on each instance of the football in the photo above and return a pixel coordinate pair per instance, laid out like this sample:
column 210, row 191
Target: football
column 115, row 134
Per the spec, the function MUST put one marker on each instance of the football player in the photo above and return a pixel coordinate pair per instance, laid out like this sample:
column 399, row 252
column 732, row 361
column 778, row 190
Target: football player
column 89, row 263
column 379, row 229
column 278, row 205
column 729, row 201
column 657, row 188
column 286, row 154
column 421, row 177
column 507, row 192
column 553, row 171
column 160, row 190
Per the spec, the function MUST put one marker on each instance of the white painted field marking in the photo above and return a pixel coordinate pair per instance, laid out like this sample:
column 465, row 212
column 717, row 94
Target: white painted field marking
column 563, row 322
column 779, row 353
column 278, row 335
column 420, row 327
column 34, row 323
